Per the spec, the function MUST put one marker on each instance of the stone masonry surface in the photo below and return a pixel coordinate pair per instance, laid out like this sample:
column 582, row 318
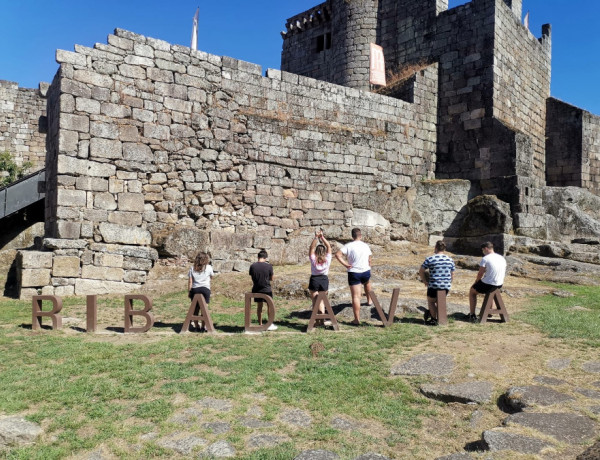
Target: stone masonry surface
column 146, row 139
column 23, row 123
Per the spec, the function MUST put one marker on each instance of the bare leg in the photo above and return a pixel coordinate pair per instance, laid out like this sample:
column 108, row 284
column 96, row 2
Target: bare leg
column 356, row 292
column 472, row 300
column 259, row 308
column 368, row 292
column 313, row 295
column 432, row 303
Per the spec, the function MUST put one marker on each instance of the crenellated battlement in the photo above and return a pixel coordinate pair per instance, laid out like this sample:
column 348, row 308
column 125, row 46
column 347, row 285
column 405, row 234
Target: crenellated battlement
column 307, row 19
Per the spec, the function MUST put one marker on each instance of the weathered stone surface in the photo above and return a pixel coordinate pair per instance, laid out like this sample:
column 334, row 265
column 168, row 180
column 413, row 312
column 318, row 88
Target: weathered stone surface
column 219, row 449
column 592, row 394
column 66, row 266
column 188, row 417
column 112, row 233
column 178, row 241
column 31, row 277
column 252, row 422
column 16, row 431
column 569, row 428
column 219, row 405
column 592, row 453
column 549, row 380
column 501, row 440
column 425, row 364
column 519, row 398
column 296, row 417
column 340, row 423
column 559, row 364
column 467, row 392
column 266, row 440
column 35, row 259
column 182, row 443
column 592, row 367
column 316, row 454
column 85, row 287
column 217, row 427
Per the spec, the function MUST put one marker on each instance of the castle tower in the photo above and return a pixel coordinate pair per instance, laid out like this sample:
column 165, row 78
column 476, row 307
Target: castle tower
column 355, row 27
column 516, row 6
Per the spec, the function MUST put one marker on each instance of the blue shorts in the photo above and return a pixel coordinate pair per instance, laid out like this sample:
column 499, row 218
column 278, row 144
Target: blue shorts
column 359, row 278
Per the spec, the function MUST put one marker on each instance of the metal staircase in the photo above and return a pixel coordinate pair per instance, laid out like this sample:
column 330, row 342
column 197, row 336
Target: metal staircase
column 22, row 193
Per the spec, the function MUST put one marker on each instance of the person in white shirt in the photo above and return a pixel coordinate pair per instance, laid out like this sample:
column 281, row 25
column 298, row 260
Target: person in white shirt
column 199, row 282
column 492, row 270
column 357, row 261
column 319, row 254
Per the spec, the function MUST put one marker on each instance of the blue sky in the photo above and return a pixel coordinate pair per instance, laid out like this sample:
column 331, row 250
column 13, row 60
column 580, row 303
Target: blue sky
column 33, row 29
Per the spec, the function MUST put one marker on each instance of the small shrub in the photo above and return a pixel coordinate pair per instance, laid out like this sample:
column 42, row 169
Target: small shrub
column 12, row 171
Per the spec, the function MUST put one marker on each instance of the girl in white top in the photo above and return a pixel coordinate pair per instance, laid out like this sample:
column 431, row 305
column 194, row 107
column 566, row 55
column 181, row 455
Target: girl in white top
column 320, row 260
column 199, row 282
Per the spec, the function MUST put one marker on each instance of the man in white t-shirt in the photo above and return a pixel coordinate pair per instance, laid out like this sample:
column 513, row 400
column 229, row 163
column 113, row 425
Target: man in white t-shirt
column 492, row 270
column 357, row 261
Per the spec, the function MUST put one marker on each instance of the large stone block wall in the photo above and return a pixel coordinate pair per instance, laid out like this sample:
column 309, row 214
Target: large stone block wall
column 23, row 124
column 522, row 85
column 572, row 147
column 153, row 142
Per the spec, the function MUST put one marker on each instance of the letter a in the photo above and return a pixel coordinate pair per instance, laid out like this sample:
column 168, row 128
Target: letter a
column 198, row 305
column 130, row 313
column 389, row 319
column 322, row 297
column 37, row 314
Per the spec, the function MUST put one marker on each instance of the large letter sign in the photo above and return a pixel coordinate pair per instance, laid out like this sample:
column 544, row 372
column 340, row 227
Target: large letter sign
column 130, row 313
column 37, row 314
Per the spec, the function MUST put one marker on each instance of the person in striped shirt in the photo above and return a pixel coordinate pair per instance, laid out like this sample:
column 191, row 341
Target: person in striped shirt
column 441, row 273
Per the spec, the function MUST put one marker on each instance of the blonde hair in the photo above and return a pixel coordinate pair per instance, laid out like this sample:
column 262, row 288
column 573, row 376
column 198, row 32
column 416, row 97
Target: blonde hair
column 321, row 254
column 201, row 261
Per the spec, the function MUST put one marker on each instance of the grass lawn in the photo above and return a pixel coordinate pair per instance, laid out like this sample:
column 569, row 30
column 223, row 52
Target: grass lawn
column 109, row 389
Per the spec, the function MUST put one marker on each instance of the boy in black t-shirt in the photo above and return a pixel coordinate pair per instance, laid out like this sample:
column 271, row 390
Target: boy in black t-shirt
column 262, row 274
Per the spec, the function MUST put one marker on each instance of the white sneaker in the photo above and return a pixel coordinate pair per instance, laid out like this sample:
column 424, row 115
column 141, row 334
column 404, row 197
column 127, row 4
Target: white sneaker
column 272, row 327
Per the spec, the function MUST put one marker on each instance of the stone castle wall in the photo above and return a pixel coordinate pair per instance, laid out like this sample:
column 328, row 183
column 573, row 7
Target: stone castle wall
column 151, row 144
column 572, row 147
column 23, row 124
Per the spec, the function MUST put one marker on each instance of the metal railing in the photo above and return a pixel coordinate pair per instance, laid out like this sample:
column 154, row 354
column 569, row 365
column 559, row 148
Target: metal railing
column 22, row 193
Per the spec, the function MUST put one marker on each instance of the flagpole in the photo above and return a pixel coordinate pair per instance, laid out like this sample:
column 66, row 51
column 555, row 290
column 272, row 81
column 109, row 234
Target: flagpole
column 194, row 43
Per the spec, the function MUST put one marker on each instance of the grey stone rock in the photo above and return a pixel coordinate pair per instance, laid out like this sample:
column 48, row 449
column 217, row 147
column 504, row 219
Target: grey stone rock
column 426, row 364
column 291, row 289
column 219, row 405
column 559, row 364
column 178, row 241
column 255, row 411
column 592, row 394
column 501, row 440
column 519, row 398
column 371, row 456
column 344, row 424
column 476, row 418
column 16, row 431
column 217, row 427
column 187, row 417
column 316, row 454
column 592, row 367
column 486, row 215
column 112, row 233
column 562, row 293
column 467, row 392
column 296, row 417
column 549, row 380
column 220, row 449
column 569, row 428
column 182, row 443
column 266, row 440
column 592, row 453
column 251, row 422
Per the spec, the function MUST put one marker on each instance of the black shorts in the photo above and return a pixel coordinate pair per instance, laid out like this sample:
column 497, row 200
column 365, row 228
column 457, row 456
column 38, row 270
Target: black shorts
column 484, row 288
column 359, row 278
column 270, row 294
column 432, row 292
column 318, row 283
column 205, row 293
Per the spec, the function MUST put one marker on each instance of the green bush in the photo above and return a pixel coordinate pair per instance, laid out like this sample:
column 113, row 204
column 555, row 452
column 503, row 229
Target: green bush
column 8, row 165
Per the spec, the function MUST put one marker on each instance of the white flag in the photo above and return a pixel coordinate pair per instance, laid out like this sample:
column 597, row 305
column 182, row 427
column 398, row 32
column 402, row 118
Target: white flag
column 526, row 21
column 194, row 44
